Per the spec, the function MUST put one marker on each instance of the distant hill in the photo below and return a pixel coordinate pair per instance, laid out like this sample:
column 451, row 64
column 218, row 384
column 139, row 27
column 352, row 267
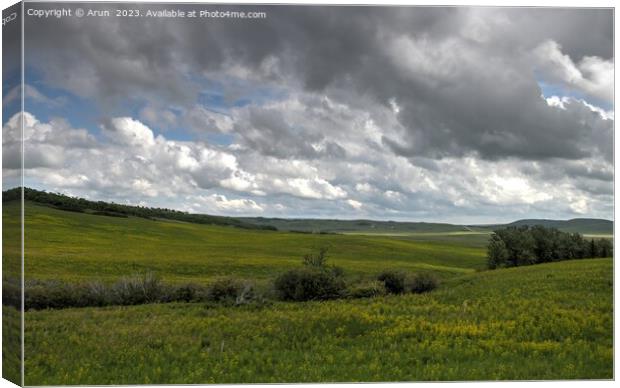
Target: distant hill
column 591, row 226
column 81, row 205
column 334, row 226
column 575, row 225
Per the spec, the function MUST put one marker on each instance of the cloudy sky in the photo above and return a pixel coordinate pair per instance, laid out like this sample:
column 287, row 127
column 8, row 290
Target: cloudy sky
column 465, row 115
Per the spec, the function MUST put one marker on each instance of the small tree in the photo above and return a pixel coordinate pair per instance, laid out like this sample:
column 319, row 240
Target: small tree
column 224, row 290
column 308, row 283
column 393, row 281
column 317, row 260
column 423, row 282
column 497, row 254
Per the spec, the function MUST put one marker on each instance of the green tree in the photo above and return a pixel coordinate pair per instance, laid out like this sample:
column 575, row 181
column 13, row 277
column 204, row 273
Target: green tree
column 605, row 248
column 317, row 260
column 497, row 254
column 520, row 245
column 593, row 251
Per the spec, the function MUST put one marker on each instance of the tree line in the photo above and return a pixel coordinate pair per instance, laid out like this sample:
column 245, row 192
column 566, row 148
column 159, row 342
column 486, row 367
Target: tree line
column 525, row 245
column 81, row 205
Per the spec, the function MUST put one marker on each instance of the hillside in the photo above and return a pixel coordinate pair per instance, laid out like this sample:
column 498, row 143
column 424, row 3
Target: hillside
column 101, row 208
column 72, row 246
column 588, row 226
column 336, row 226
column 549, row 321
column 576, row 225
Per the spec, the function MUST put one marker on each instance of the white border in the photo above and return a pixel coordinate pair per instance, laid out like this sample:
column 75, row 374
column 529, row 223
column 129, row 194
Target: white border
column 506, row 3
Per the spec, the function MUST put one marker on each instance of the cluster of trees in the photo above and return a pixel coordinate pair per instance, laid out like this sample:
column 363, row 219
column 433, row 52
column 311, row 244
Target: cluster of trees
column 316, row 280
column 64, row 202
column 516, row 246
column 126, row 291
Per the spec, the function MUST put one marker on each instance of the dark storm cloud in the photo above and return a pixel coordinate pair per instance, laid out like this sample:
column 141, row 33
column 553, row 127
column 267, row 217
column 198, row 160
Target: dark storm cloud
column 580, row 32
column 344, row 112
column 272, row 134
column 116, row 58
column 462, row 86
column 501, row 122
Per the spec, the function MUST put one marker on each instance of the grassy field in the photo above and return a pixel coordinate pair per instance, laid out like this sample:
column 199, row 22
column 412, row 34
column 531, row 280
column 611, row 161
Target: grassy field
column 471, row 239
column 549, row 321
column 76, row 246
column 11, row 319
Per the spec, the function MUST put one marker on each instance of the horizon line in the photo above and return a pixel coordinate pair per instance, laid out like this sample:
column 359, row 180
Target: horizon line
column 293, row 218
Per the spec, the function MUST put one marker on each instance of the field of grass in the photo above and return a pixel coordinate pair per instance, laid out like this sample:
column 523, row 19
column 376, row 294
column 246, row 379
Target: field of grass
column 11, row 345
column 472, row 239
column 76, row 246
column 11, row 319
column 549, row 321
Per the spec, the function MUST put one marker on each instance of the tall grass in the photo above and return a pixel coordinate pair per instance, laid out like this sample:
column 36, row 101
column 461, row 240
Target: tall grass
column 550, row 321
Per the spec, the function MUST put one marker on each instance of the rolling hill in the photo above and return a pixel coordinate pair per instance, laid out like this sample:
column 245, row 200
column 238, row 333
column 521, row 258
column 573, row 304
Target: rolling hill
column 575, row 225
column 110, row 209
column 76, row 246
column 587, row 226
column 336, row 226
column 548, row 321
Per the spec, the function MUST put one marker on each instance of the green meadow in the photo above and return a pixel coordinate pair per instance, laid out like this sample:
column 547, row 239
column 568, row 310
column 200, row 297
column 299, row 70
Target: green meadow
column 548, row 321
column 77, row 246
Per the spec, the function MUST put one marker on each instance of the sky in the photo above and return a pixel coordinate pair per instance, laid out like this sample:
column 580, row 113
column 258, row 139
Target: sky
column 448, row 114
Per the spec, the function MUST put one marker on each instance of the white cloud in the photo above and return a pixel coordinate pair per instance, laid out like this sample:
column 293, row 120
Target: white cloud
column 136, row 163
column 558, row 102
column 126, row 130
column 315, row 188
column 44, row 143
column 131, row 164
column 67, row 182
column 564, row 101
column 160, row 117
column 421, row 115
column 220, row 203
column 579, row 205
column 203, row 120
column 507, row 190
column 394, row 196
column 144, row 187
column 32, row 94
column 364, row 187
column 591, row 75
column 354, row 204
column 605, row 114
